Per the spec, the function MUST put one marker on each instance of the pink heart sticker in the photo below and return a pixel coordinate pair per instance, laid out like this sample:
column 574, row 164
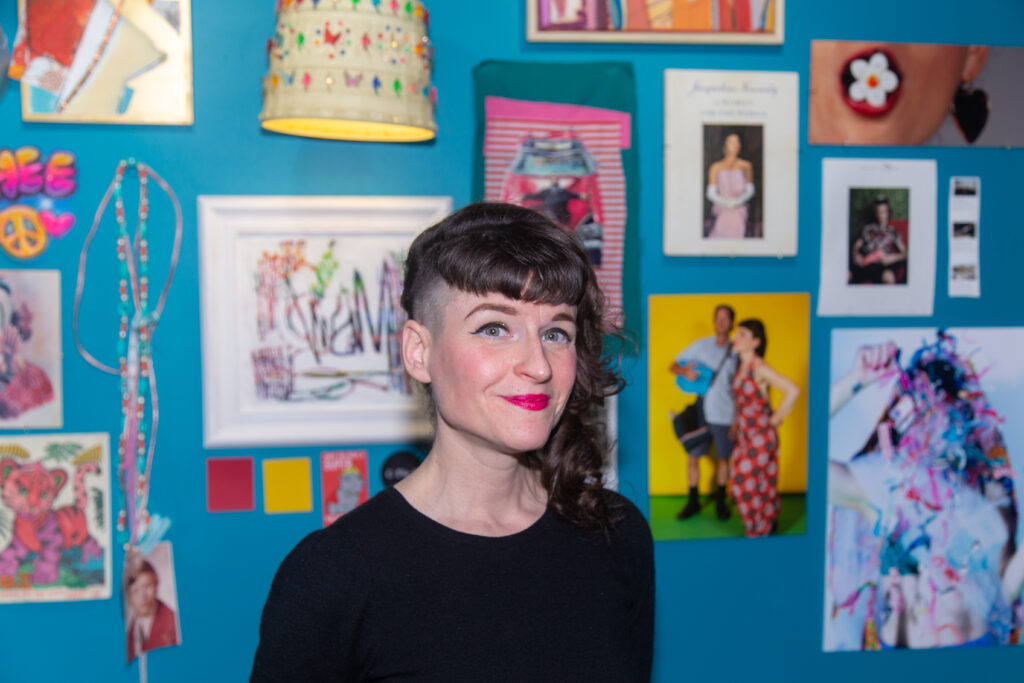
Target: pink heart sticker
column 57, row 225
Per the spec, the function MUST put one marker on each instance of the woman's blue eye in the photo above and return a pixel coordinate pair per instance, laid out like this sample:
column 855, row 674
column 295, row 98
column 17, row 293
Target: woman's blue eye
column 557, row 335
column 491, row 330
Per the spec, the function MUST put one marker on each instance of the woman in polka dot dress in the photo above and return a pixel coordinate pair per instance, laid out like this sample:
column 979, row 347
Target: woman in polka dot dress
column 755, row 459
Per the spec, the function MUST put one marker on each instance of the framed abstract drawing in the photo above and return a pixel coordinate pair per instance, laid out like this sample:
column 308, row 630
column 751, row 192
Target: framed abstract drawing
column 655, row 21
column 301, row 318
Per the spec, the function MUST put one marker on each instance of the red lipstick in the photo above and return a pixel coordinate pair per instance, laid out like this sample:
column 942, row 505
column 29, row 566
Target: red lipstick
column 529, row 401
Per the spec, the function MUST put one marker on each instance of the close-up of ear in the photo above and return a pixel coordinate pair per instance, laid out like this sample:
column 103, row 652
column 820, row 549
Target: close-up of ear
column 416, row 350
column 976, row 56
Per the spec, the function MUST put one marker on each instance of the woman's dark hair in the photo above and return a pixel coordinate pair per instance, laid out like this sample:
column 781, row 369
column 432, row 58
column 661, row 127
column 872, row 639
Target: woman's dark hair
column 498, row 248
column 879, row 200
column 756, row 328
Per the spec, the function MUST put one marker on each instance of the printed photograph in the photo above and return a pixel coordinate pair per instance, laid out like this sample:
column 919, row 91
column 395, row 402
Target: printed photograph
column 879, row 235
column 733, row 167
column 964, row 230
column 151, row 601
column 727, row 426
column 965, row 273
column 877, row 93
column 923, row 540
column 965, row 187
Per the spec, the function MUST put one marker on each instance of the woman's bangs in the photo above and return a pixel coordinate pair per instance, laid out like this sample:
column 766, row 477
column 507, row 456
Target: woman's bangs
column 544, row 278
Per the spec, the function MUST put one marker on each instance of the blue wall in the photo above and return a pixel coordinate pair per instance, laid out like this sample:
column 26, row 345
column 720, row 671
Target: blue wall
column 727, row 609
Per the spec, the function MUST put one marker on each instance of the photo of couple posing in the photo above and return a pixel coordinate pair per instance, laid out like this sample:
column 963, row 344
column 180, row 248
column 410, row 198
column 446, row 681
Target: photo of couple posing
column 736, row 397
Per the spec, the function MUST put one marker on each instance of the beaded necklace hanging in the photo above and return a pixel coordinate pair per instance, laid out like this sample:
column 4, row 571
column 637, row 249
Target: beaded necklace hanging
column 137, row 323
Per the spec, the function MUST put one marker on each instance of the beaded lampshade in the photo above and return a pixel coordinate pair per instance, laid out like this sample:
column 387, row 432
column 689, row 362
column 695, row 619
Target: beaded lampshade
column 350, row 70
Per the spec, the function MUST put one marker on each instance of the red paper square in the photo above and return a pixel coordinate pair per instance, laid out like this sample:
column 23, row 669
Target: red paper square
column 229, row 485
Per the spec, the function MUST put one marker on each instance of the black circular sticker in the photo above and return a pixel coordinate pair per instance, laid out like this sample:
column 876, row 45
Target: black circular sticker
column 398, row 466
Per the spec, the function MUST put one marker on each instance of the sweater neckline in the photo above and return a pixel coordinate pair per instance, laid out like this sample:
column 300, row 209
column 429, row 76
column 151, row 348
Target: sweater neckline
column 433, row 525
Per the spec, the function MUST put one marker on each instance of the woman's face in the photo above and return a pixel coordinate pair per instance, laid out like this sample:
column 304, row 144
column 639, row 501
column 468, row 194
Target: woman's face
column 500, row 370
column 909, row 105
column 744, row 340
column 142, row 594
column 732, row 145
column 882, row 214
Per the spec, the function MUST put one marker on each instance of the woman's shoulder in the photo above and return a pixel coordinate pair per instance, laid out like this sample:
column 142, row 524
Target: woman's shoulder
column 349, row 539
column 630, row 524
column 761, row 368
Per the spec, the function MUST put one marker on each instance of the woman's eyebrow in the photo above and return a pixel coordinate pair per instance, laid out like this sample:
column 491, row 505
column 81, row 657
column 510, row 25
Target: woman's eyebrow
column 512, row 310
column 496, row 308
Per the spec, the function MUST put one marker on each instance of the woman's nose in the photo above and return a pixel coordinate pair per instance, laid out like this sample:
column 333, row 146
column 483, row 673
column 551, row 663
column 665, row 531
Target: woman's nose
column 533, row 361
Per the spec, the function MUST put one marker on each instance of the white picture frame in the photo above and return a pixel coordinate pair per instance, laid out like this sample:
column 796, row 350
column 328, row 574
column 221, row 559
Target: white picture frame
column 910, row 186
column 703, row 110
column 264, row 383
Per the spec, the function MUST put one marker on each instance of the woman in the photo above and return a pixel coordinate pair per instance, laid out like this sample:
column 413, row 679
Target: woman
column 730, row 187
column 755, row 458
column 879, row 253
column 501, row 557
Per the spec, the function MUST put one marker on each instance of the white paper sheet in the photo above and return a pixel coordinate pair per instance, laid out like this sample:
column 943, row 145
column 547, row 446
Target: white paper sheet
column 702, row 109
column 909, row 187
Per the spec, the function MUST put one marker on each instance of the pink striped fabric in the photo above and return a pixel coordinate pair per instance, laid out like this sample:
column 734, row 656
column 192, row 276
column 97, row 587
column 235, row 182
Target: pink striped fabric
column 603, row 139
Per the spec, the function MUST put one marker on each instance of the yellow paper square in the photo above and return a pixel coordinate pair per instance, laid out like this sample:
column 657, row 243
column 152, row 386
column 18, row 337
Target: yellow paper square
column 287, row 485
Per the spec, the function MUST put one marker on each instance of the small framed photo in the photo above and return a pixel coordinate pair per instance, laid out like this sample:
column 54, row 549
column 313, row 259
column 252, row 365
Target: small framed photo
column 730, row 163
column 752, row 22
column 302, row 319
column 877, row 237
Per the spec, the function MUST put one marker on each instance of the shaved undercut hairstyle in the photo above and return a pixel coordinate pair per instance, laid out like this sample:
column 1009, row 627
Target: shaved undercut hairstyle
column 505, row 249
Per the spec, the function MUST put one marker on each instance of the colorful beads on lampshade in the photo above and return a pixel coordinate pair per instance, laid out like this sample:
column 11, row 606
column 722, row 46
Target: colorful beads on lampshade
column 329, row 60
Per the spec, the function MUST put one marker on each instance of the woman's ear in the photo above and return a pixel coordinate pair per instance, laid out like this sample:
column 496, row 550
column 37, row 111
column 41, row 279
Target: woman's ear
column 416, row 350
column 976, row 56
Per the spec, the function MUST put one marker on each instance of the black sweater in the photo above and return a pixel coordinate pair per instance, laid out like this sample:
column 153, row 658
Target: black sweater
column 386, row 593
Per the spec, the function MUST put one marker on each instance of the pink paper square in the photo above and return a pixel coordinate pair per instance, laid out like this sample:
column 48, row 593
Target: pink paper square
column 229, row 485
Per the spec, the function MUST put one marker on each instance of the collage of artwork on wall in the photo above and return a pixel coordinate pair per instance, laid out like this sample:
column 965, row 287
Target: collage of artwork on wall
column 299, row 313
